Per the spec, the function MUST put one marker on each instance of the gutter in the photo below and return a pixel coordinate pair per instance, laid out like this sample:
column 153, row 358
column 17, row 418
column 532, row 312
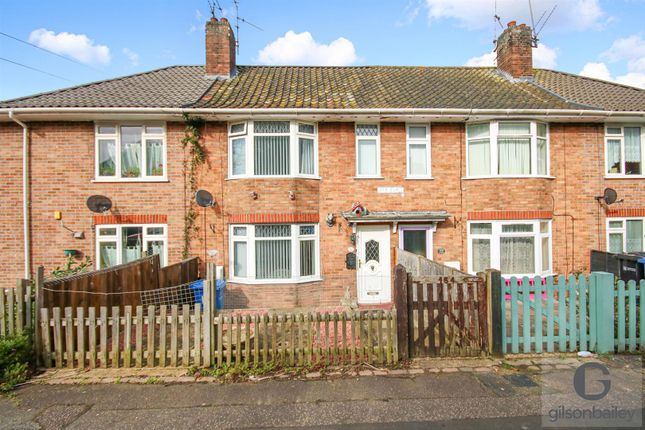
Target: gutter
column 25, row 192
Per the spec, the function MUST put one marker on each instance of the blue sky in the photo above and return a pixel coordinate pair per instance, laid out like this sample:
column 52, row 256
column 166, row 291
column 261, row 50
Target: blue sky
column 600, row 38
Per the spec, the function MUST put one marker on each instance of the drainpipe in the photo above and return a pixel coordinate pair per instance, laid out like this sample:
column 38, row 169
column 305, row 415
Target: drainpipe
column 25, row 192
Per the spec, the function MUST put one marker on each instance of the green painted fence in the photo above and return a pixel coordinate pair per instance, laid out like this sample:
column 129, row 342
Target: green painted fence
column 572, row 314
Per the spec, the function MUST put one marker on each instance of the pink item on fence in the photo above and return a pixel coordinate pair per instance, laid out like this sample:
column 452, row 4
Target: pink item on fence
column 507, row 281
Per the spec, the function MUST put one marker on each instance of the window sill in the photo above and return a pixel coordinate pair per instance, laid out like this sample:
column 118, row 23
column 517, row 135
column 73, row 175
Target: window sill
column 418, row 178
column 369, row 177
column 624, row 176
column 234, row 178
column 272, row 281
column 121, row 180
column 470, row 178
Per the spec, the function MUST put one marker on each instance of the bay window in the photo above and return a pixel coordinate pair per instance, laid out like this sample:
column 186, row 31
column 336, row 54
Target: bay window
column 120, row 244
column 273, row 149
column 626, row 235
column 624, row 151
column 130, row 152
column 368, row 151
column 518, row 248
column 507, row 148
column 269, row 253
column 418, row 151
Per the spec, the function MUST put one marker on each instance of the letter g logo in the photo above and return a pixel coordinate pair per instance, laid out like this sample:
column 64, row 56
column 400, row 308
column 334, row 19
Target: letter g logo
column 579, row 381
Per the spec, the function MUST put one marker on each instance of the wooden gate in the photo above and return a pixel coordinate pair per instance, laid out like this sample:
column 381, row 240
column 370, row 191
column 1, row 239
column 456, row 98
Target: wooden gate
column 445, row 316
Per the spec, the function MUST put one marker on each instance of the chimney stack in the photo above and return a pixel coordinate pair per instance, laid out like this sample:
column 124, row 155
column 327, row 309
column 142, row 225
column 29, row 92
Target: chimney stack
column 220, row 49
column 515, row 51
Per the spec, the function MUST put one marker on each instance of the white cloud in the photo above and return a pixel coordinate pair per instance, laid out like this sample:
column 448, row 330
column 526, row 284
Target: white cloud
column 596, row 70
column 132, row 56
column 77, row 46
column 478, row 14
column 543, row 57
column 301, row 49
column 630, row 48
column 635, row 79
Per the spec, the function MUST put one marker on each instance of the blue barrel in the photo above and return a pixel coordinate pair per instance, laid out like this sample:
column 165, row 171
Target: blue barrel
column 198, row 290
column 219, row 293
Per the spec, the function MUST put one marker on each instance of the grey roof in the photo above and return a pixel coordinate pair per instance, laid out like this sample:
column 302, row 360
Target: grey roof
column 398, row 216
column 365, row 87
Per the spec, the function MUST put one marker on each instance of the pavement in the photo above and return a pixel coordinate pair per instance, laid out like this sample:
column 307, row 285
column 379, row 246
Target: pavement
column 505, row 396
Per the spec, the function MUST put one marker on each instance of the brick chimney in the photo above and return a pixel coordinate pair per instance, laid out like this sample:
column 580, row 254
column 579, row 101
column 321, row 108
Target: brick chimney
column 515, row 51
column 220, row 49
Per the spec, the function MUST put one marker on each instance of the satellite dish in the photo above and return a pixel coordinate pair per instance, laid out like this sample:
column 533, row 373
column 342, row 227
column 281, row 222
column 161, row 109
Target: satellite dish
column 610, row 196
column 204, row 198
column 99, row 204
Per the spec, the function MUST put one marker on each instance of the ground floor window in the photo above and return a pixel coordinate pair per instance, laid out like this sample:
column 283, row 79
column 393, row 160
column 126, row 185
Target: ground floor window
column 626, row 234
column 119, row 244
column 274, row 252
column 417, row 239
column 518, row 248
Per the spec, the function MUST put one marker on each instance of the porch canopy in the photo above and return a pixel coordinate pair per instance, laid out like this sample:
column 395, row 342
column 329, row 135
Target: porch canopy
column 396, row 217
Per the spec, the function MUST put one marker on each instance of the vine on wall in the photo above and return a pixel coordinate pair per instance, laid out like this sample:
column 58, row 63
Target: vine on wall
column 194, row 156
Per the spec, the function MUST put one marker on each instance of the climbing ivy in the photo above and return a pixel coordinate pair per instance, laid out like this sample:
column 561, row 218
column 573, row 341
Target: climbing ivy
column 194, row 156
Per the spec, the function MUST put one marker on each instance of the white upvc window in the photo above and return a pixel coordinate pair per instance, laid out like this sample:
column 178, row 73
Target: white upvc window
column 368, row 150
column 122, row 243
column 624, row 151
column 507, row 149
column 625, row 235
column 418, row 153
column 130, row 152
column 417, row 239
column 272, row 149
column 274, row 253
column 516, row 248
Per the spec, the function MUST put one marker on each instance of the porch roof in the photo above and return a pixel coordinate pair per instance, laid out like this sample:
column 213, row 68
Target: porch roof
column 397, row 216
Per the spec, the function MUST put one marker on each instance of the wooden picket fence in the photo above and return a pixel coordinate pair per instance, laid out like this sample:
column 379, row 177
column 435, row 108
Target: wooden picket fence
column 572, row 314
column 184, row 336
column 16, row 308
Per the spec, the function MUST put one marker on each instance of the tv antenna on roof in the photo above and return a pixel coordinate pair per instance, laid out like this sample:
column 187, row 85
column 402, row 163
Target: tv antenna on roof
column 534, row 24
column 239, row 19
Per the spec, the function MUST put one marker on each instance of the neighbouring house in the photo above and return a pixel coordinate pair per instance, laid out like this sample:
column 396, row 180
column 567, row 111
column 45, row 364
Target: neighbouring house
column 313, row 169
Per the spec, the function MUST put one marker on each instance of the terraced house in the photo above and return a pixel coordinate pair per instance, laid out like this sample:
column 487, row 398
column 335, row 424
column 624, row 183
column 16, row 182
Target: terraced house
column 313, row 166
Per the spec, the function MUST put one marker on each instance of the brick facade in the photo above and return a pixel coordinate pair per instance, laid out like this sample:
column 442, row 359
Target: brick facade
column 515, row 50
column 62, row 166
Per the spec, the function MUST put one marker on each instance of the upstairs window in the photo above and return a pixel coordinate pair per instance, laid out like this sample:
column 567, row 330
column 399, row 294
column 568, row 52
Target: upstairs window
column 272, row 149
column 418, row 151
column 368, row 150
column 507, row 148
column 624, row 151
column 130, row 152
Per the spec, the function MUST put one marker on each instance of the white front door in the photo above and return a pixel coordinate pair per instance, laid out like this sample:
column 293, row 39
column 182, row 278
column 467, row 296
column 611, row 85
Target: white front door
column 373, row 271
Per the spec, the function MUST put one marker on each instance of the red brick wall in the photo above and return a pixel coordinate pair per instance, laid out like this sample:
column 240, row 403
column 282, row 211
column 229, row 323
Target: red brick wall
column 220, row 48
column 63, row 169
column 515, row 50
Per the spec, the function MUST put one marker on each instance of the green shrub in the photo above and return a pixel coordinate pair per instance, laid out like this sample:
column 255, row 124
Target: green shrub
column 16, row 360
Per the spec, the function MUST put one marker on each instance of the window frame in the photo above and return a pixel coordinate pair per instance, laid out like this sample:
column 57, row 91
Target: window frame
column 428, row 228
column 294, row 147
column 621, row 137
column 622, row 230
column 416, row 141
column 377, row 139
column 495, row 244
column 295, row 238
column 494, row 149
column 118, row 238
column 143, row 177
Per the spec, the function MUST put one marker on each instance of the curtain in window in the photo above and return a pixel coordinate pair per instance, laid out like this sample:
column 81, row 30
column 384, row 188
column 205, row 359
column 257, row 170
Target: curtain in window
column 367, row 157
column 306, row 156
column 154, row 157
column 514, row 156
column 156, row 247
column 613, row 156
column 418, row 160
column 481, row 254
column 307, row 258
column 271, row 155
column 546, row 266
column 479, row 158
column 517, row 255
column 131, row 152
column 107, row 251
column 632, row 150
column 273, row 259
column 131, row 243
column 634, row 236
column 541, row 157
column 107, row 157
column 239, row 156
column 239, row 259
column 616, row 242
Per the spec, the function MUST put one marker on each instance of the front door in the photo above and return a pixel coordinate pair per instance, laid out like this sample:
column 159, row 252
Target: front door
column 373, row 272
